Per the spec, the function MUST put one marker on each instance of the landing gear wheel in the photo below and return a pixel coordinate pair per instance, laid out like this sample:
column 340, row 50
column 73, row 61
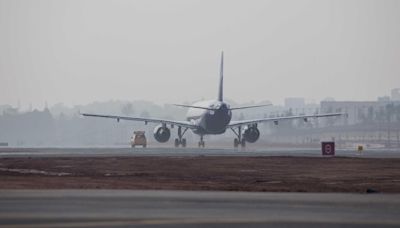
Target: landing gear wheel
column 183, row 142
column 201, row 144
column 235, row 143
column 243, row 143
column 180, row 140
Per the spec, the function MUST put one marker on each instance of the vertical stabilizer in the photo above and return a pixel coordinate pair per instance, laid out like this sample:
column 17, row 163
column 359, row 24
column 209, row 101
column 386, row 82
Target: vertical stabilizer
column 221, row 79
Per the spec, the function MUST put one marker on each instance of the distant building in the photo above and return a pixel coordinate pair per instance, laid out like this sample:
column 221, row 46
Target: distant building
column 329, row 99
column 384, row 99
column 357, row 111
column 294, row 102
column 396, row 94
column 298, row 106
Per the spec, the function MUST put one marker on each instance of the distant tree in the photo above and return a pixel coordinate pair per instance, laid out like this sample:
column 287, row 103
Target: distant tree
column 289, row 112
column 241, row 116
column 380, row 115
column 145, row 114
column 370, row 114
column 127, row 109
column 390, row 111
column 361, row 115
column 397, row 113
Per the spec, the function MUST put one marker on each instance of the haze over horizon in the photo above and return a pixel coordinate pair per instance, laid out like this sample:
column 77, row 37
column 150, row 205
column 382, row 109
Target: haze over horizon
column 78, row 52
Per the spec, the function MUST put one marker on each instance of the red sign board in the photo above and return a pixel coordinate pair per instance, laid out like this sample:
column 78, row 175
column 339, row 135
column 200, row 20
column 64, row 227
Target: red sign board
column 328, row 148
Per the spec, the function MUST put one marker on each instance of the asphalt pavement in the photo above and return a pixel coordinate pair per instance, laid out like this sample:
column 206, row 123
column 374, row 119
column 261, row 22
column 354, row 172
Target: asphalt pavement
column 125, row 208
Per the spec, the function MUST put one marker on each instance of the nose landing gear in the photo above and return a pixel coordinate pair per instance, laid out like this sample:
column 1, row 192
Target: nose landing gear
column 201, row 142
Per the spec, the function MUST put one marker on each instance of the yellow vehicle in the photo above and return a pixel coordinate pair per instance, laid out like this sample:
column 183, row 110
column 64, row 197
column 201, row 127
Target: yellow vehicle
column 138, row 139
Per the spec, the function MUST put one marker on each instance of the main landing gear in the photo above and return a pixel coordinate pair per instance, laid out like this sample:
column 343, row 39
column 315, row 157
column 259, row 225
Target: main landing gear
column 180, row 140
column 239, row 140
column 201, row 142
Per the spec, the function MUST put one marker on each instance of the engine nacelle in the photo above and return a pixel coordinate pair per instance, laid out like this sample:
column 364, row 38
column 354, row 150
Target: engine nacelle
column 162, row 133
column 251, row 134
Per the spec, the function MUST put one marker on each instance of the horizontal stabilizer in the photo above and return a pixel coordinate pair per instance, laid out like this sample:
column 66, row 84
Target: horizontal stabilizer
column 208, row 108
column 254, row 106
column 191, row 106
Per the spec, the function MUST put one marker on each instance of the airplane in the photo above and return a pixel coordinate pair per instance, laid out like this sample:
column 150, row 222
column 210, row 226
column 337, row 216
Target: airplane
column 211, row 117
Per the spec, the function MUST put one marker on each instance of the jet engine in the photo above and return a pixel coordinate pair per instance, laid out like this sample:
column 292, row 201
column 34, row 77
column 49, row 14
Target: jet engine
column 162, row 133
column 251, row 134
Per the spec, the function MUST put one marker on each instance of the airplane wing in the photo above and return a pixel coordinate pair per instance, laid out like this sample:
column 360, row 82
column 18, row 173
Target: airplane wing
column 186, row 124
column 276, row 119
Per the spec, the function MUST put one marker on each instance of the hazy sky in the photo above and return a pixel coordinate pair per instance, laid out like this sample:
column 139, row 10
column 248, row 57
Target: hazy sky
column 168, row 51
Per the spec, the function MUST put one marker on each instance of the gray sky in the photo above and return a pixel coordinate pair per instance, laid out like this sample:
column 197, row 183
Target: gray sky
column 168, row 51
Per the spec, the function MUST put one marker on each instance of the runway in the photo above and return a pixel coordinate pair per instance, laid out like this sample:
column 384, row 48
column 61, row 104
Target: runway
column 124, row 151
column 192, row 168
column 122, row 208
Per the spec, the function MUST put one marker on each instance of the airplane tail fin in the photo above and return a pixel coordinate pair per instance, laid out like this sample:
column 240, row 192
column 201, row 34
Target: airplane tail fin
column 221, row 79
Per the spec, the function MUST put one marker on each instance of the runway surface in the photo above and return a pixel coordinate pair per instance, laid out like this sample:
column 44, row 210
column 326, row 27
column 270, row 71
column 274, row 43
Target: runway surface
column 115, row 151
column 121, row 208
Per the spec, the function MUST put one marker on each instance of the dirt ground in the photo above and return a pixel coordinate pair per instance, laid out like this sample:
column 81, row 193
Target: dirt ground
column 272, row 174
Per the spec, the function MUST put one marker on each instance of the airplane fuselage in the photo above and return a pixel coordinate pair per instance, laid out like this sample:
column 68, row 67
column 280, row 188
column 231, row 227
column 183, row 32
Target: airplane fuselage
column 210, row 121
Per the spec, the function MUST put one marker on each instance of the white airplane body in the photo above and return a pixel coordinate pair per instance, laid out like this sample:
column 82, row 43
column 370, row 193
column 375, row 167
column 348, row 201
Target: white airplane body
column 211, row 117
